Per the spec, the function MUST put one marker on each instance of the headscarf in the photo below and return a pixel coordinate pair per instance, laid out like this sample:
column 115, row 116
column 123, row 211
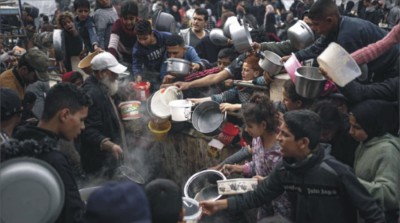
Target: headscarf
column 377, row 117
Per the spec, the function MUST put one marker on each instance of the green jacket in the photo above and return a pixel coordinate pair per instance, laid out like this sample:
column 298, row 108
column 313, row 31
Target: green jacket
column 377, row 166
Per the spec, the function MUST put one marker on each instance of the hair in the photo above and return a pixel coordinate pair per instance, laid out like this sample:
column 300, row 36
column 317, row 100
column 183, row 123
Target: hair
column 261, row 109
column 290, row 89
column 165, row 199
column 175, row 40
column 227, row 53
column 304, row 124
column 329, row 115
column 143, row 27
column 252, row 60
column 45, row 18
column 323, row 8
column 24, row 62
column 203, row 12
column 76, row 76
column 62, row 17
column 129, row 7
column 81, row 4
column 64, row 95
column 227, row 6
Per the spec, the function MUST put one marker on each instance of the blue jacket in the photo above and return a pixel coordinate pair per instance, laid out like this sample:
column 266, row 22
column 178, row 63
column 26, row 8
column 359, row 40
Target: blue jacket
column 150, row 57
column 190, row 55
column 87, row 31
column 354, row 34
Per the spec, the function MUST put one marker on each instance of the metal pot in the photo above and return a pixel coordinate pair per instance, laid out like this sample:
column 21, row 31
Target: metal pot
column 241, row 37
column 164, row 22
column 178, row 67
column 207, row 118
column 309, row 82
column 218, row 38
column 58, row 44
column 300, row 35
column 231, row 20
column 205, row 181
column 270, row 62
column 33, row 186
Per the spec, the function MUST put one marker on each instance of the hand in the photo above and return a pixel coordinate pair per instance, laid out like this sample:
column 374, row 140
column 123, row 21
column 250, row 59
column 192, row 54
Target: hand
column 228, row 169
column 116, row 151
column 256, row 46
column 195, row 66
column 284, row 59
column 259, row 178
column 182, row 85
column 325, row 74
column 229, row 107
column 168, row 79
column 209, row 207
column 196, row 100
column 267, row 77
column 228, row 83
column 97, row 49
column 217, row 167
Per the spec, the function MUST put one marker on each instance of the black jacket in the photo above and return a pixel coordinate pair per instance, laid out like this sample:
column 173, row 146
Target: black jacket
column 320, row 189
column 101, row 123
column 47, row 149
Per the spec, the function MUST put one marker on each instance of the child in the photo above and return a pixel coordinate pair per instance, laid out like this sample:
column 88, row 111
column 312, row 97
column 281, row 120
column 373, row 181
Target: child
column 292, row 100
column 319, row 188
column 104, row 18
column 73, row 43
column 85, row 25
column 261, row 119
column 123, row 35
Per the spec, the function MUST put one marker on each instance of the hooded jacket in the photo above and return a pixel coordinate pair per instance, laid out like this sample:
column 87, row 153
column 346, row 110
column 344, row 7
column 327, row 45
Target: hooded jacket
column 320, row 189
column 43, row 145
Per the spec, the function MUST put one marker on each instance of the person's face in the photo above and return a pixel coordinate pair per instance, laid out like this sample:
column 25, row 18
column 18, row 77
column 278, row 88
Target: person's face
column 248, row 73
column 198, row 22
column 356, row 131
column 104, row 3
column 176, row 51
column 255, row 129
column 322, row 26
column 144, row 40
column 73, row 124
column 289, row 103
column 223, row 62
column 290, row 147
column 327, row 135
column 82, row 13
column 78, row 82
column 28, row 74
column 109, row 79
column 129, row 21
column 68, row 25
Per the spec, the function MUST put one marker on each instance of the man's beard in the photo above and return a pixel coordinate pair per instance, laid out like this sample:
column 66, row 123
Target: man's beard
column 110, row 86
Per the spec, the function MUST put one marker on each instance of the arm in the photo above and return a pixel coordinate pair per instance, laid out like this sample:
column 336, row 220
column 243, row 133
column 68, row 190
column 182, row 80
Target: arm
column 205, row 81
column 113, row 46
column 281, row 48
column 238, row 157
column 314, row 50
column 92, row 32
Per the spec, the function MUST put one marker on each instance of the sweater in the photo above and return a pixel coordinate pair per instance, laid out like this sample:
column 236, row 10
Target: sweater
column 104, row 19
column 121, row 41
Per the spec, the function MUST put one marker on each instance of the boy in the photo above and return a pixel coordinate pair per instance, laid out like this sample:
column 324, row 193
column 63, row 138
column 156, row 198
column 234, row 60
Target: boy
column 319, row 188
column 85, row 25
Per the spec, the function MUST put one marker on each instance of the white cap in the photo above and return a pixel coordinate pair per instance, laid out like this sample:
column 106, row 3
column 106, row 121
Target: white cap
column 107, row 61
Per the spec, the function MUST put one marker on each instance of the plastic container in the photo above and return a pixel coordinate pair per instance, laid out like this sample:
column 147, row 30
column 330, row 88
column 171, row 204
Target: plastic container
column 169, row 94
column 338, row 64
column 142, row 90
column 236, row 186
column 192, row 210
column 229, row 132
column 130, row 110
column 159, row 130
column 180, row 110
column 158, row 108
column 291, row 65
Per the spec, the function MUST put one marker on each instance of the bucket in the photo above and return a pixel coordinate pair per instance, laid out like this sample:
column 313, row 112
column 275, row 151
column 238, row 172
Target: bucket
column 291, row 65
column 339, row 64
column 159, row 130
column 229, row 132
column 130, row 110
column 169, row 94
column 142, row 90
column 180, row 110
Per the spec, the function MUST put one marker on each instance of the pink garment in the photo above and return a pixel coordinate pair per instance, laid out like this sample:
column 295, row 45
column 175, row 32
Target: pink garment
column 374, row 50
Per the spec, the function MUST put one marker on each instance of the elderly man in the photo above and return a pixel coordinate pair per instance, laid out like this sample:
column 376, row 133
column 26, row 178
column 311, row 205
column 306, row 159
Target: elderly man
column 197, row 32
column 103, row 139
column 31, row 67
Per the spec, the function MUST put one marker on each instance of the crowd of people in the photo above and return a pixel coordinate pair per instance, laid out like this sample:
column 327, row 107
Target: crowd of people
column 334, row 158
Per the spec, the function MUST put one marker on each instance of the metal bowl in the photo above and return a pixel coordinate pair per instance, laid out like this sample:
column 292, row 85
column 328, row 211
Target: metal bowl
column 207, row 118
column 58, row 44
column 205, row 182
column 178, row 67
column 218, row 38
column 309, row 82
column 31, row 191
column 300, row 35
column 270, row 62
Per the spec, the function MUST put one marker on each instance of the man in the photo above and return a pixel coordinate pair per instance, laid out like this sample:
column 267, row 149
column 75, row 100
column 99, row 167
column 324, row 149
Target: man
column 10, row 112
column 104, row 137
column 352, row 34
column 65, row 109
column 197, row 32
column 32, row 66
column 320, row 188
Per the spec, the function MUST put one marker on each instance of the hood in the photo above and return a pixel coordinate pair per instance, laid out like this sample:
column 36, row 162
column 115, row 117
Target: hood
column 29, row 147
column 388, row 138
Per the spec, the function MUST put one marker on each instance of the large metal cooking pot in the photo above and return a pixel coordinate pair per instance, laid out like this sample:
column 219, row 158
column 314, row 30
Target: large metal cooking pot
column 178, row 67
column 241, row 37
column 31, row 191
column 309, row 82
column 164, row 22
column 270, row 62
column 204, row 182
column 231, row 20
column 300, row 35
column 218, row 38
column 207, row 118
column 58, row 44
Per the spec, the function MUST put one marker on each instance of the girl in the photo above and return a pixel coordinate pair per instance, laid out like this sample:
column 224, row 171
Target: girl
column 261, row 119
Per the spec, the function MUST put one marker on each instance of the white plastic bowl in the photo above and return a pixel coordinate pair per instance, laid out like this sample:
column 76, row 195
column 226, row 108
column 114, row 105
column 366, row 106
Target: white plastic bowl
column 339, row 64
column 236, row 186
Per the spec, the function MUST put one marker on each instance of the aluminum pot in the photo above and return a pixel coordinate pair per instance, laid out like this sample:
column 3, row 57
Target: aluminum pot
column 231, row 20
column 218, row 38
column 178, row 67
column 309, row 82
column 204, row 182
column 241, row 37
column 207, row 118
column 300, row 35
column 164, row 22
column 58, row 44
column 270, row 62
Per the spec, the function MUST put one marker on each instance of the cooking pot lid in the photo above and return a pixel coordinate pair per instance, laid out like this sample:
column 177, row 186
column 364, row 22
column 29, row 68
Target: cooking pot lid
column 31, row 191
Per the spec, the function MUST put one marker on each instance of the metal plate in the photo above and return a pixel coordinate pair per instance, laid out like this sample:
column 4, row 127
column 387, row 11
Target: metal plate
column 31, row 191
